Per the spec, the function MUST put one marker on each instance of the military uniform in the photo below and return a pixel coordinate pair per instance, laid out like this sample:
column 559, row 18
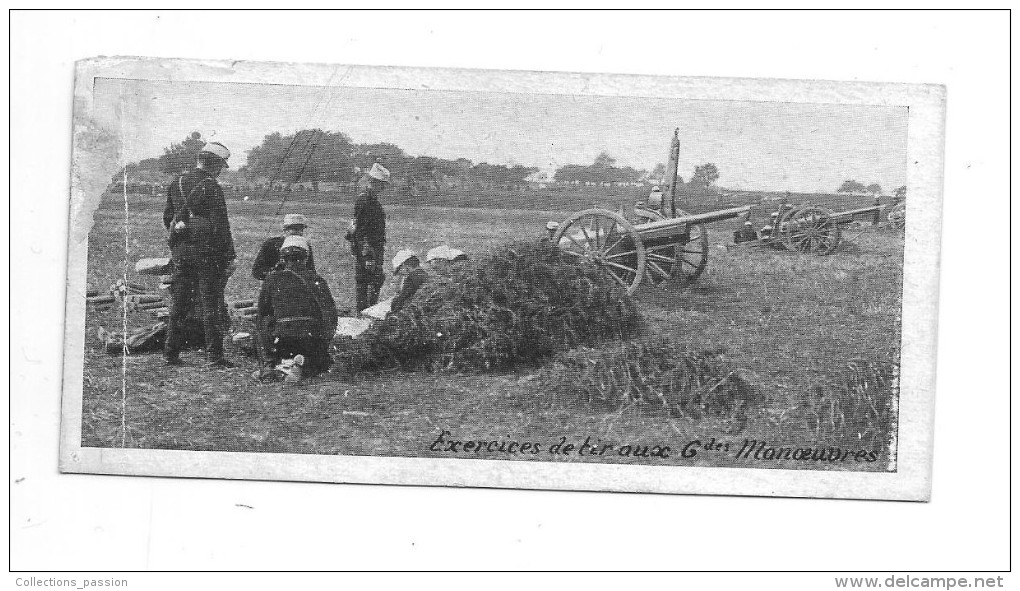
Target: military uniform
column 297, row 316
column 200, row 254
column 409, row 285
column 269, row 257
column 368, row 242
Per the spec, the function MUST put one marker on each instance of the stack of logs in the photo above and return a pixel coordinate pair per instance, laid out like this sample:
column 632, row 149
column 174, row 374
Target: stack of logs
column 244, row 310
column 135, row 297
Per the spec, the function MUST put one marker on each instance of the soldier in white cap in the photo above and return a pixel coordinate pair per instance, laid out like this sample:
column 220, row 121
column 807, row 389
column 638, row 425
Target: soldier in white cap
column 442, row 257
column 297, row 313
column 368, row 237
column 268, row 258
column 407, row 267
column 201, row 253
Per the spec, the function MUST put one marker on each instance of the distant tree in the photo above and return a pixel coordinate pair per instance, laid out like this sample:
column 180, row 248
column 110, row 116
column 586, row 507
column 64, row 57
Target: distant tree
column 874, row 188
column 310, row 155
column 604, row 160
column 704, row 175
column 519, row 173
column 851, row 186
column 571, row 173
column 180, row 157
column 148, row 170
column 658, row 175
column 901, row 192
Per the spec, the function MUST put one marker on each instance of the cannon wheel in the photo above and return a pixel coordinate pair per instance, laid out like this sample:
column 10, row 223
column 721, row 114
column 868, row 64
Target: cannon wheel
column 786, row 212
column 811, row 229
column 608, row 240
column 898, row 215
column 683, row 260
column 692, row 255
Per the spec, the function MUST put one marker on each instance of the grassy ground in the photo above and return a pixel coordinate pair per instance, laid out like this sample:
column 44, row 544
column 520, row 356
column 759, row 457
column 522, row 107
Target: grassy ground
column 788, row 322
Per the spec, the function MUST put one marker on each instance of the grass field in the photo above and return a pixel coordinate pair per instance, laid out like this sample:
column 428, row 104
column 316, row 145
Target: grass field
column 788, row 322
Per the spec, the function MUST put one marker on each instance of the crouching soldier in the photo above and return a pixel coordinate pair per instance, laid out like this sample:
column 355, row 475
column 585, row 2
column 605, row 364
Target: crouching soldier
column 297, row 313
column 745, row 234
column 294, row 224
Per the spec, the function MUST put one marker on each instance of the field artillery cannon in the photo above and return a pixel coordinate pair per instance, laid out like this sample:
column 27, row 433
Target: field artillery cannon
column 655, row 250
column 898, row 215
column 813, row 228
column 655, row 243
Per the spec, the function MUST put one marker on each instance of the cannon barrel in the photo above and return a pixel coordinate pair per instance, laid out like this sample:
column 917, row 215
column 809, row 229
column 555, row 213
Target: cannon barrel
column 842, row 217
column 672, row 226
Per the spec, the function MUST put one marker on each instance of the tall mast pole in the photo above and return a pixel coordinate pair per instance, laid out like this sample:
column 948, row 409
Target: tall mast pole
column 671, row 170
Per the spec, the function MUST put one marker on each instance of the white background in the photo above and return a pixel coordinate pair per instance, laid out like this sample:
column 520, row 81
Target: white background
column 75, row 522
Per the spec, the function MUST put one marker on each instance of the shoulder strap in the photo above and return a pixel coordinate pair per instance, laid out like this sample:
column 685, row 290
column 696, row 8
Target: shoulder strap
column 199, row 185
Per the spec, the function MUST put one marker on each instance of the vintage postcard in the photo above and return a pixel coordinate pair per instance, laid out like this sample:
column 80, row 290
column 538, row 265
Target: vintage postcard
column 502, row 279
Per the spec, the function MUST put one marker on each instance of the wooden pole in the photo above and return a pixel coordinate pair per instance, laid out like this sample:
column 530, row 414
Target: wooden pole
column 671, row 170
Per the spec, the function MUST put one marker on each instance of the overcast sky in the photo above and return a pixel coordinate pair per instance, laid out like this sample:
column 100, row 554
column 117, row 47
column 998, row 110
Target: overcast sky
column 773, row 146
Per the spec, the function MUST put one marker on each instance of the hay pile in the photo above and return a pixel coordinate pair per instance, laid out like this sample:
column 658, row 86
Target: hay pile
column 519, row 305
column 658, row 372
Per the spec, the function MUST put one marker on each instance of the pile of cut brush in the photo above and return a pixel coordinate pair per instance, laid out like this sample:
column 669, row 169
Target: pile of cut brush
column 518, row 305
column 658, row 372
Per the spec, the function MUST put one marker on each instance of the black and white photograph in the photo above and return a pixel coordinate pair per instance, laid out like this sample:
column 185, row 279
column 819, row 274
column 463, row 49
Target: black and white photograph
column 711, row 299
column 485, row 277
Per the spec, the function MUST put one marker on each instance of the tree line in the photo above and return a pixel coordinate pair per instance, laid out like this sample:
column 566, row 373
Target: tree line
column 315, row 156
column 852, row 186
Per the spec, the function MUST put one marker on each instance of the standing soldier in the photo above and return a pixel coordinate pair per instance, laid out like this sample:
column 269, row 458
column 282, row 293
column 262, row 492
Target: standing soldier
column 201, row 252
column 368, row 238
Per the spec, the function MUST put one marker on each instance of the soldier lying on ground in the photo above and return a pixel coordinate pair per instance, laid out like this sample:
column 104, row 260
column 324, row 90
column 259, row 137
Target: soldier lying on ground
column 441, row 258
column 407, row 267
column 268, row 258
column 297, row 313
column 152, row 338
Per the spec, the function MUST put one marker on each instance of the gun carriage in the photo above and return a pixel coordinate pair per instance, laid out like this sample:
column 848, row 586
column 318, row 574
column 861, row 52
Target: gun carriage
column 655, row 245
column 657, row 250
column 814, row 229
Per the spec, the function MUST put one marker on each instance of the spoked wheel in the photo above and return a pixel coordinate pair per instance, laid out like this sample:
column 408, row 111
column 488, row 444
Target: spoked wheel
column 608, row 240
column 811, row 229
column 898, row 215
column 683, row 258
column 778, row 233
column 660, row 256
column 691, row 253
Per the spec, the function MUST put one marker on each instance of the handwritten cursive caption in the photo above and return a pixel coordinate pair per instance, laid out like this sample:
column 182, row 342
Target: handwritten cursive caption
column 745, row 449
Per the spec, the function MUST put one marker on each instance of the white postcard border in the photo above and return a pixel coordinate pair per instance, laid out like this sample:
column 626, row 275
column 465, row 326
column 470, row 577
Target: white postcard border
column 95, row 157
